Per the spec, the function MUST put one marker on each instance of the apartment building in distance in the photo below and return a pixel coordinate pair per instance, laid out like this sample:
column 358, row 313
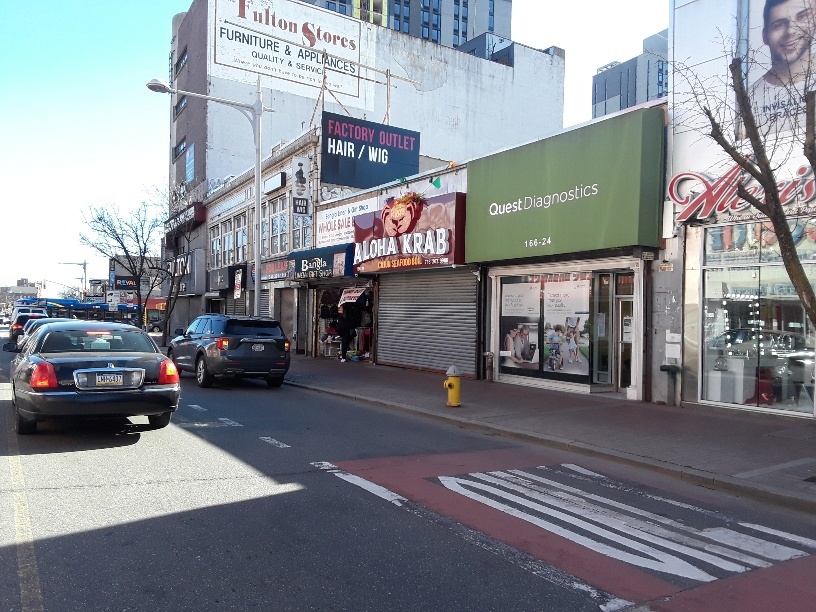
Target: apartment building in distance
column 620, row 85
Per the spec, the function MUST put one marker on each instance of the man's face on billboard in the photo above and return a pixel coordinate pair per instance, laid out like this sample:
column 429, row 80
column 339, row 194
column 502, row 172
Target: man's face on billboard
column 790, row 30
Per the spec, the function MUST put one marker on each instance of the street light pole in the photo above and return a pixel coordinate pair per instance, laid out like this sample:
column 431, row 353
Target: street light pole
column 84, row 265
column 253, row 112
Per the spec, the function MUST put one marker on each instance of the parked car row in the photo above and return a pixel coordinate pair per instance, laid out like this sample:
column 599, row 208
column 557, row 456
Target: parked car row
column 74, row 368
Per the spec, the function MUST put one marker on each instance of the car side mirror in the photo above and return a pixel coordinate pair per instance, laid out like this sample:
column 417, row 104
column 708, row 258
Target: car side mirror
column 11, row 347
column 178, row 332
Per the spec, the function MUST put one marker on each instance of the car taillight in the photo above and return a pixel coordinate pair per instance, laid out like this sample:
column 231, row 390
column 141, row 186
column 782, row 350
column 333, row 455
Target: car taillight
column 44, row 376
column 222, row 343
column 168, row 374
column 286, row 346
column 16, row 327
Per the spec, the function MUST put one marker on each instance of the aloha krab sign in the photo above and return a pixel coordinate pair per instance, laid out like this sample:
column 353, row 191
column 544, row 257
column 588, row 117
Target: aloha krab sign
column 410, row 232
column 711, row 197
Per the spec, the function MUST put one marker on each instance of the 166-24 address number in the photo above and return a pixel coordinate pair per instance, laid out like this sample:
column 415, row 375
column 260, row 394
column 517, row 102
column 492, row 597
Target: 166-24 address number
column 534, row 242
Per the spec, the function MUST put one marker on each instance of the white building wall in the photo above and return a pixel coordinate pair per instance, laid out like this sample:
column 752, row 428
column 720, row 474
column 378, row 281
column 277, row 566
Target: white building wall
column 463, row 106
column 696, row 49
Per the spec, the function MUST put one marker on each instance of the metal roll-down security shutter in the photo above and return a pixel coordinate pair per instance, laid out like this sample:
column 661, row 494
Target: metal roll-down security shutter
column 236, row 307
column 427, row 320
column 264, row 306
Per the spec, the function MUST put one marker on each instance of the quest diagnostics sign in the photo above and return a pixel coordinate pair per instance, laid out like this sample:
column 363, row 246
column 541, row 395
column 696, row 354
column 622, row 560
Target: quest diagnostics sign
column 530, row 202
column 588, row 189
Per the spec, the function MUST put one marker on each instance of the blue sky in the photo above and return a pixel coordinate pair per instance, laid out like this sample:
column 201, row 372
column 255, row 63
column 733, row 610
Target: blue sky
column 80, row 128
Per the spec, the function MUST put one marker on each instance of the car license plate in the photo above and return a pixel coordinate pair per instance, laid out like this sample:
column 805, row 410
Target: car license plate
column 257, row 347
column 109, row 380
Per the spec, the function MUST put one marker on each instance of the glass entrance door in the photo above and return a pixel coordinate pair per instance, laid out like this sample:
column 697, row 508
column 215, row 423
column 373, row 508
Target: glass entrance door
column 613, row 329
column 602, row 292
column 624, row 331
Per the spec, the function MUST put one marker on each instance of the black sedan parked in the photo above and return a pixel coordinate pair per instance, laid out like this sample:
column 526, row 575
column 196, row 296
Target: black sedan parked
column 91, row 369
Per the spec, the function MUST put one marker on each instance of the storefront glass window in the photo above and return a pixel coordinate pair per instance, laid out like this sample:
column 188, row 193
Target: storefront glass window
column 544, row 326
column 758, row 345
column 749, row 243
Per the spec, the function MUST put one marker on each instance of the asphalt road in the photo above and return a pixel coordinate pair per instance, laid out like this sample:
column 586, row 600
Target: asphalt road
column 285, row 499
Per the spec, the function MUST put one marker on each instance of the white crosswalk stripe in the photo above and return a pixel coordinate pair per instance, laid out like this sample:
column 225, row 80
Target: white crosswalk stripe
column 626, row 532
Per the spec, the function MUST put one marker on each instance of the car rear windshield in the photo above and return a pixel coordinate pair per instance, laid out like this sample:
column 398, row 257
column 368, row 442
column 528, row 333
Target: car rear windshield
column 97, row 341
column 23, row 319
column 270, row 329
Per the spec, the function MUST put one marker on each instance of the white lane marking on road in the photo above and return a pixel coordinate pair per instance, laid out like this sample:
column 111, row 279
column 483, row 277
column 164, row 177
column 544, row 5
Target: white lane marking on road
column 782, row 534
column 28, row 575
column 275, row 442
column 605, row 601
column 687, row 537
column 371, row 487
column 193, row 425
column 649, row 558
column 197, row 407
column 230, row 422
column 766, row 549
column 580, row 470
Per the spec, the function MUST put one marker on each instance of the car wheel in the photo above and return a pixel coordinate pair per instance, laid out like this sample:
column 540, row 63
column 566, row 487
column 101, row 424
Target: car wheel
column 159, row 420
column 155, row 329
column 22, row 426
column 273, row 382
column 172, row 358
column 203, row 376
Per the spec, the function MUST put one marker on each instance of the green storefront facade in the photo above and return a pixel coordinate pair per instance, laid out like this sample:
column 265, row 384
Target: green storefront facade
column 566, row 230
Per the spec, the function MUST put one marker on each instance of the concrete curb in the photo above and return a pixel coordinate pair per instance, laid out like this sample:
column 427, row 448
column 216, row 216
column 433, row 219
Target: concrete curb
column 711, row 480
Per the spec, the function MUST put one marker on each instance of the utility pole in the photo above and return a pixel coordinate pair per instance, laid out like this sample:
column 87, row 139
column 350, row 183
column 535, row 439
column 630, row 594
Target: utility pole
column 84, row 265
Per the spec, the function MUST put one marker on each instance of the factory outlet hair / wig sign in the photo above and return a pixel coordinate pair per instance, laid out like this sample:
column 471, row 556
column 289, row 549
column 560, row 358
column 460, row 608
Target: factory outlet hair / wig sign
column 357, row 153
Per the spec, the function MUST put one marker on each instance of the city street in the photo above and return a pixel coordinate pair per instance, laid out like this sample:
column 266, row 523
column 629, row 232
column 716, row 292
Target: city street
column 287, row 499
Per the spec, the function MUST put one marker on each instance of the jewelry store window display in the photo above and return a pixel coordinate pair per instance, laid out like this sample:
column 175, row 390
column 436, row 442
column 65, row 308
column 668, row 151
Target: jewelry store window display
column 544, row 326
column 758, row 345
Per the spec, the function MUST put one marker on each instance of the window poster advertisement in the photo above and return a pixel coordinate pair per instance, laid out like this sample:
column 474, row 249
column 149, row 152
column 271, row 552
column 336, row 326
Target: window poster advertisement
column 564, row 313
column 521, row 300
column 780, row 70
column 544, row 326
column 520, row 314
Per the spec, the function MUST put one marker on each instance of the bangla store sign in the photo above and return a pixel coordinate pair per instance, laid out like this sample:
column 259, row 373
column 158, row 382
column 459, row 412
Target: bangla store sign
column 405, row 235
column 596, row 187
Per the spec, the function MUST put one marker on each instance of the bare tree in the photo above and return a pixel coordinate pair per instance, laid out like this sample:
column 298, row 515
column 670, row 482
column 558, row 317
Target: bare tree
column 130, row 239
column 176, row 264
column 761, row 144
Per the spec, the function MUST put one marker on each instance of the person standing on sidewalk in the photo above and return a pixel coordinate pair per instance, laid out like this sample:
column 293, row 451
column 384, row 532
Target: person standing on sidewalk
column 344, row 328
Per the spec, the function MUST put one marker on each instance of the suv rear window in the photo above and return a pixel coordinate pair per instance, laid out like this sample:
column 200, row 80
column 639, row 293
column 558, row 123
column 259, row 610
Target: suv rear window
column 271, row 329
column 24, row 318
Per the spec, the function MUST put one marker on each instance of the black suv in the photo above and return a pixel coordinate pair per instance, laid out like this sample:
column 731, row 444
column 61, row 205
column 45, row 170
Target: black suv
column 218, row 346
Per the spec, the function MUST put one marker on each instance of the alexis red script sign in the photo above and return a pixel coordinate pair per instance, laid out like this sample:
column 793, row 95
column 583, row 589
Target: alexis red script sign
column 716, row 196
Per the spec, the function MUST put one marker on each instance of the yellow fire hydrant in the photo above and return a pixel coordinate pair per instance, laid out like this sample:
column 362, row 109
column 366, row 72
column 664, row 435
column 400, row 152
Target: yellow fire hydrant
column 454, row 386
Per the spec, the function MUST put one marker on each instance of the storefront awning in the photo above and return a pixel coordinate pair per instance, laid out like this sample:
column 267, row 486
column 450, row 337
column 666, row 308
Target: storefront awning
column 325, row 262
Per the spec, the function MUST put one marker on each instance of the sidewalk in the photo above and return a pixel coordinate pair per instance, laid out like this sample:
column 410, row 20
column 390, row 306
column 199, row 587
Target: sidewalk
column 767, row 457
